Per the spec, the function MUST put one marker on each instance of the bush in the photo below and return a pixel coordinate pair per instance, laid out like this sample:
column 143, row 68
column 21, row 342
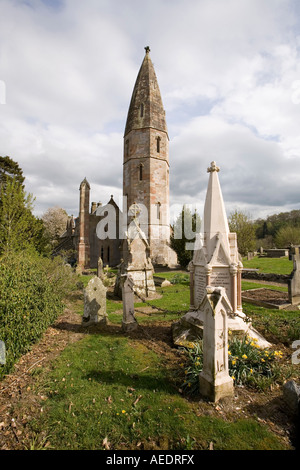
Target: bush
column 32, row 291
column 180, row 279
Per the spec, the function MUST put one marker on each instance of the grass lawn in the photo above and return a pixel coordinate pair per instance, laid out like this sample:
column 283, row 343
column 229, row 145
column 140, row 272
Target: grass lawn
column 270, row 265
column 110, row 388
column 114, row 391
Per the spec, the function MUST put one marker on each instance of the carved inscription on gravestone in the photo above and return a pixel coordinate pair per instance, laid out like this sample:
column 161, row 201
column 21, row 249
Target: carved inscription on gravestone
column 221, row 277
column 200, row 284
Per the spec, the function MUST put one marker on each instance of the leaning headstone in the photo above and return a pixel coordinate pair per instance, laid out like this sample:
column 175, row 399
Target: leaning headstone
column 188, row 329
column 291, row 396
column 214, row 380
column 294, row 281
column 129, row 322
column 94, row 303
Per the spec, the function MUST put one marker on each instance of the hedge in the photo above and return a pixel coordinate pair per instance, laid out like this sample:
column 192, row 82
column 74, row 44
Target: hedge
column 32, row 290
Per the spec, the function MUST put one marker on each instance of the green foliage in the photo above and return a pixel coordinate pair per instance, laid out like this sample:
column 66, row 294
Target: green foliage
column 10, row 170
column 19, row 229
column 267, row 229
column 180, row 278
column 286, row 236
column 193, row 367
column 241, row 224
column 32, row 289
column 184, row 235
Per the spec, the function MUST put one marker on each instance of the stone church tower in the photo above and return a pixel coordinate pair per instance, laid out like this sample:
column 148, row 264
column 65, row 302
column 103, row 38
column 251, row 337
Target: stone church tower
column 146, row 163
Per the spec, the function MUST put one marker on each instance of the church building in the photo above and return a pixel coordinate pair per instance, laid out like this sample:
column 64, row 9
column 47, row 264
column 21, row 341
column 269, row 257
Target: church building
column 145, row 183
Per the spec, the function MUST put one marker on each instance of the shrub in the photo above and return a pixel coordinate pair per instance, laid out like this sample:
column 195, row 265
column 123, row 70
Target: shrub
column 180, row 278
column 32, row 290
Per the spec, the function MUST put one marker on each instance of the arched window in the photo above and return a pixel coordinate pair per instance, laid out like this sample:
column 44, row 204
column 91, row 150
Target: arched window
column 158, row 139
column 108, row 254
column 142, row 110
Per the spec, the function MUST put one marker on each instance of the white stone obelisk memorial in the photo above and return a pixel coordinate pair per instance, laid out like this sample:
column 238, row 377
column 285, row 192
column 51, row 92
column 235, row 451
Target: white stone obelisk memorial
column 216, row 261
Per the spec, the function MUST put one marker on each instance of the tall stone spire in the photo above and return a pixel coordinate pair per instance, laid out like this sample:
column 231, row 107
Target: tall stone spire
column 146, row 106
column 146, row 162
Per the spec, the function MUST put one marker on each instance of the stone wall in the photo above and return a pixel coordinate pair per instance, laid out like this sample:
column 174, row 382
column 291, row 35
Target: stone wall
column 270, row 277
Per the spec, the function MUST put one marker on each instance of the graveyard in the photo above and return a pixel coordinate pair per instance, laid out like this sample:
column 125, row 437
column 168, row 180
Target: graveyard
column 201, row 358
column 97, row 386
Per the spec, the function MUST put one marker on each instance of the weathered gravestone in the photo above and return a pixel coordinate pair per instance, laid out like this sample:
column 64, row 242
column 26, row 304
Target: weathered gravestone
column 2, row 353
column 94, row 303
column 214, row 380
column 216, row 263
column 291, row 396
column 129, row 322
column 294, row 281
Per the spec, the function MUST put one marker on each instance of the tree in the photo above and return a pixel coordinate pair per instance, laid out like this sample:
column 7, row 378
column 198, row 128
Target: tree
column 240, row 223
column 10, row 170
column 184, row 235
column 19, row 228
column 55, row 222
column 286, row 236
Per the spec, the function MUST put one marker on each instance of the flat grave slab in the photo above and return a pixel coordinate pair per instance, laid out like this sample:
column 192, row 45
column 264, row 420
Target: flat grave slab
column 266, row 298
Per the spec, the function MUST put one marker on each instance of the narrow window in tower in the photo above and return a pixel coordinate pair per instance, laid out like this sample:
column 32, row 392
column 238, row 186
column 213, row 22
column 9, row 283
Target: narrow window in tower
column 142, row 110
column 158, row 210
column 141, row 172
column 102, row 253
column 127, row 148
column 158, row 139
column 108, row 254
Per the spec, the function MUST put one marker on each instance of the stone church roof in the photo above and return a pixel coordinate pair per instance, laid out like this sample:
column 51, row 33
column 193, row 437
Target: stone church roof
column 146, row 107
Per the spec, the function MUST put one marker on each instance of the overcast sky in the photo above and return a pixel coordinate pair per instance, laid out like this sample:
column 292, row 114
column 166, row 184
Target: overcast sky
column 229, row 75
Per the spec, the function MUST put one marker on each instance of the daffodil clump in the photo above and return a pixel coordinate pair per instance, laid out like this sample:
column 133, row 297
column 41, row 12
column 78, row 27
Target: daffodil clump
column 192, row 367
column 249, row 364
